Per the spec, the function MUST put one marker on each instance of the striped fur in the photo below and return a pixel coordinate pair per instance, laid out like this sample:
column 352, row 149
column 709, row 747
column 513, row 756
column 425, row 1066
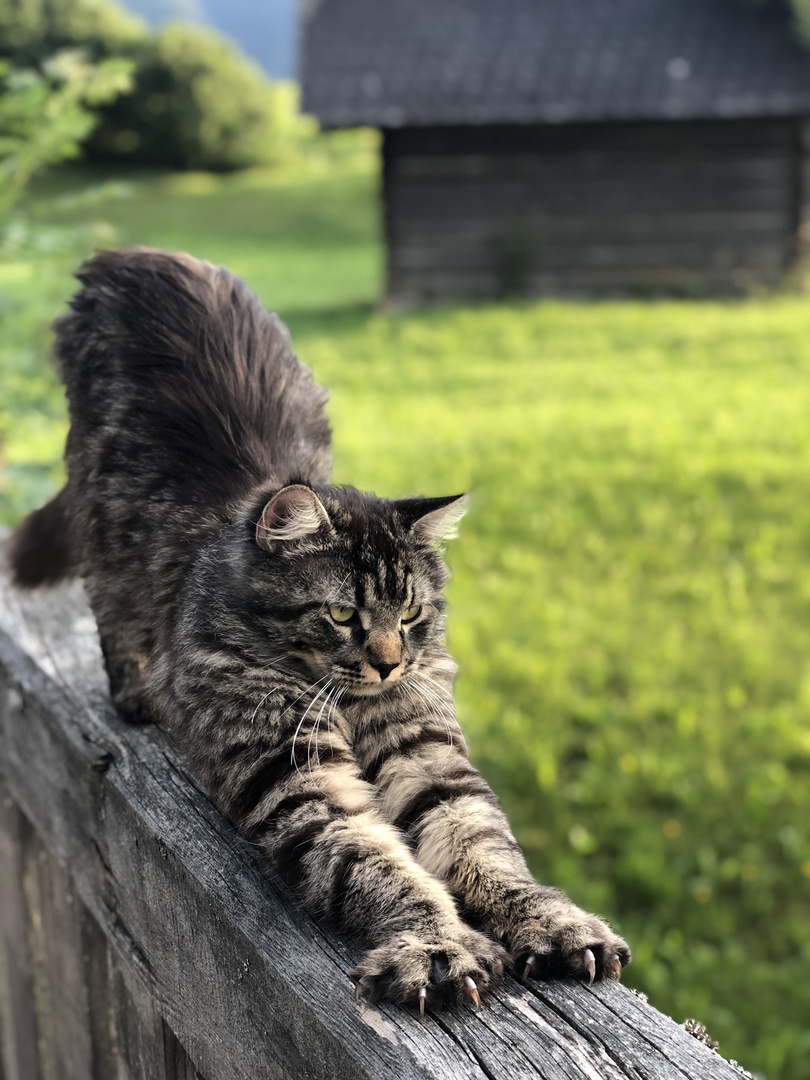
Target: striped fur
column 290, row 633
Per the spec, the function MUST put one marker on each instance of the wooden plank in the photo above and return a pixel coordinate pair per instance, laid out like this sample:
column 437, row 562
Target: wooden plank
column 139, row 1031
column 550, row 248
column 428, row 221
column 18, row 1027
column 179, row 1065
column 697, row 257
column 208, row 940
column 146, row 1048
column 709, row 259
column 436, row 287
column 47, row 1052
column 96, row 959
column 750, row 171
column 63, row 1009
column 576, row 194
column 714, row 135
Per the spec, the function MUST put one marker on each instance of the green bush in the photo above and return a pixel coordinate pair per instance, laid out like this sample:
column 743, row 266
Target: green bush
column 31, row 30
column 46, row 113
column 196, row 101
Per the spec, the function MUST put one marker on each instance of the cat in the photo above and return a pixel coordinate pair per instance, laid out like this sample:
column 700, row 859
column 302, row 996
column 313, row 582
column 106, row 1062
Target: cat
column 289, row 633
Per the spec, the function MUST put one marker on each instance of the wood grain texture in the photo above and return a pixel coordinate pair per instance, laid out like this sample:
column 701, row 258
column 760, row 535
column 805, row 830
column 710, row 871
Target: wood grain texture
column 60, row 992
column 591, row 208
column 18, row 1026
column 212, row 968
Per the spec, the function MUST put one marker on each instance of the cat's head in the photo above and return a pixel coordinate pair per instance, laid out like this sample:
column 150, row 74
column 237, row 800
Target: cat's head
column 350, row 585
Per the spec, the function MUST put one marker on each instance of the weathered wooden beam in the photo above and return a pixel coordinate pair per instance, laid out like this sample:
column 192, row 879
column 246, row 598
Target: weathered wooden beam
column 718, row 136
column 201, row 956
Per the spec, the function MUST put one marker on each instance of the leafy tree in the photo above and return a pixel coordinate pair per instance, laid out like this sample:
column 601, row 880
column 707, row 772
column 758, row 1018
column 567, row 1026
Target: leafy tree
column 196, row 101
column 32, row 30
column 46, row 113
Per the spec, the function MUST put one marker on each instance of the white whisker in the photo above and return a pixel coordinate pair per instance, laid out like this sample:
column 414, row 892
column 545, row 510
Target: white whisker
column 436, row 708
column 306, row 691
column 303, row 718
column 261, row 702
column 314, row 731
column 438, row 685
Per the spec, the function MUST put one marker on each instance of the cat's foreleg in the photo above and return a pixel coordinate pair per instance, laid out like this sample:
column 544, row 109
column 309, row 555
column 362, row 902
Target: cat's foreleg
column 124, row 658
column 296, row 792
column 432, row 793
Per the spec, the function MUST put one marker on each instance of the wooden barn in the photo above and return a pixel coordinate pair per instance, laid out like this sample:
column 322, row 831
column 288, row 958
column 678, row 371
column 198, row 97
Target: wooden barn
column 575, row 147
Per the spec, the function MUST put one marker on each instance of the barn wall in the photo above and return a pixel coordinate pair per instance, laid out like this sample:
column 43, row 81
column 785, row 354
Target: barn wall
column 675, row 207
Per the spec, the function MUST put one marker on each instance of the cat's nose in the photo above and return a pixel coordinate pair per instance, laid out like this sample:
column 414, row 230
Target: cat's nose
column 384, row 669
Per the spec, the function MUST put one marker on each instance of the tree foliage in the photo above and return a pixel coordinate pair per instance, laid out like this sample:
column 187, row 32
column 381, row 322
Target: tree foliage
column 198, row 104
column 46, row 113
column 31, row 30
column 196, row 101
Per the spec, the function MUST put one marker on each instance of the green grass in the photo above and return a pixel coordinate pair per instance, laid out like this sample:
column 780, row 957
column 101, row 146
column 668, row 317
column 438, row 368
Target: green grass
column 631, row 590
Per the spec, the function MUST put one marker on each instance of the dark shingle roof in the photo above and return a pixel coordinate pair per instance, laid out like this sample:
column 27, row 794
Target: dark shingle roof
column 390, row 63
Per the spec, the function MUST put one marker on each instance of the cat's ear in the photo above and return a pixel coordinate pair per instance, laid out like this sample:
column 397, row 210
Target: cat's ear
column 292, row 514
column 433, row 521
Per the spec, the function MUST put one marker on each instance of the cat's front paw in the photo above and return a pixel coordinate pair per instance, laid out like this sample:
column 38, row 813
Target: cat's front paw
column 412, row 970
column 553, row 938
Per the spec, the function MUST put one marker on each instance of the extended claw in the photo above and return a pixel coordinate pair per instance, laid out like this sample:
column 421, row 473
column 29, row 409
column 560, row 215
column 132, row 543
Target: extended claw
column 472, row 990
column 616, row 966
column 497, row 967
column 360, row 988
column 422, row 997
column 590, row 965
column 527, row 971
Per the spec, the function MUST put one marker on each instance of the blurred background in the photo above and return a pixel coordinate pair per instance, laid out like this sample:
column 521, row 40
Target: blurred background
column 550, row 252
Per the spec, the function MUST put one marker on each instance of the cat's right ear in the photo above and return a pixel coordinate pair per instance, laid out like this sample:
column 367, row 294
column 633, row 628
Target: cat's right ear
column 292, row 514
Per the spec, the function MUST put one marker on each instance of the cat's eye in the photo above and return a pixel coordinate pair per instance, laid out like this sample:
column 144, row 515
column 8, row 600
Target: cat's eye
column 342, row 614
column 412, row 613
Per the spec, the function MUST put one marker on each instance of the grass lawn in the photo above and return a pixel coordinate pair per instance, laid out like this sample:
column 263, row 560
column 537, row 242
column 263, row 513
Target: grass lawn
column 631, row 590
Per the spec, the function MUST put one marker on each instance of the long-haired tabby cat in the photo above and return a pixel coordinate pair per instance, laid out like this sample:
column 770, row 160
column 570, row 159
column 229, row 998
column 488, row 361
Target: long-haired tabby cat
column 289, row 633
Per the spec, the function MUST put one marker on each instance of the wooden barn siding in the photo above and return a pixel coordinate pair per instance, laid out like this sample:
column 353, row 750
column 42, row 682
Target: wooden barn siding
column 583, row 209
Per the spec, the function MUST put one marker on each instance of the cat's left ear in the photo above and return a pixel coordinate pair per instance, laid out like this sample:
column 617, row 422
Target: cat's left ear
column 293, row 513
column 433, row 521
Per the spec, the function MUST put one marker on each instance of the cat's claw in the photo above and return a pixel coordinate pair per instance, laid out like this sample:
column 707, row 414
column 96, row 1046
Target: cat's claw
column 589, row 961
column 529, row 969
column 616, row 966
column 410, row 972
column 472, row 991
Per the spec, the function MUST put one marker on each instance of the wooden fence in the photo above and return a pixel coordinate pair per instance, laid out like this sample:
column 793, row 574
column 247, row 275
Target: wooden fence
column 141, row 939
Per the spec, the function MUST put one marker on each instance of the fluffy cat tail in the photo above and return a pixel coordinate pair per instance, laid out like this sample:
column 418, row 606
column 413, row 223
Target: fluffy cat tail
column 39, row 551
